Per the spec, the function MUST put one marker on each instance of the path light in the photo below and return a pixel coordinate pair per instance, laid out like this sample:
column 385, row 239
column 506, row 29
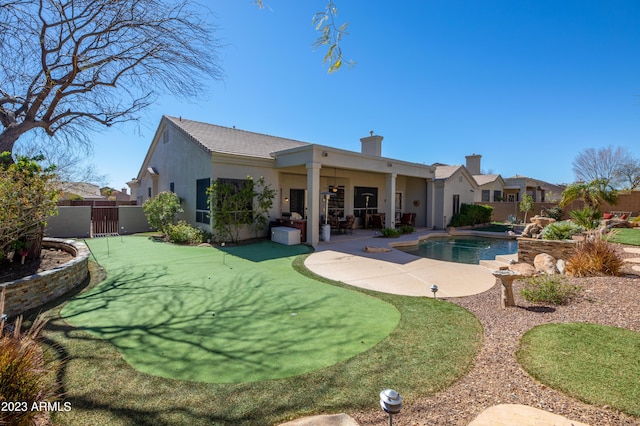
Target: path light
column 391, row 403
column 434, row 289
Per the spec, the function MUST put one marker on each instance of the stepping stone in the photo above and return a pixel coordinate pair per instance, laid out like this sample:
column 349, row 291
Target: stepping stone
column 521, row 415
column 632, row 249
column 326, row 420
column 633, row 260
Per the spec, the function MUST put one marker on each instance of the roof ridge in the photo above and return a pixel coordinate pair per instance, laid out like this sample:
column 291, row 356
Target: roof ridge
column 177, row 120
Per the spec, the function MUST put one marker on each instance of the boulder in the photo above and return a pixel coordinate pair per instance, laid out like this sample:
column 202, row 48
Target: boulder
column 561, row 265
column 532, row 230
column 542, row 221
column 545, row 263
column 523, row 269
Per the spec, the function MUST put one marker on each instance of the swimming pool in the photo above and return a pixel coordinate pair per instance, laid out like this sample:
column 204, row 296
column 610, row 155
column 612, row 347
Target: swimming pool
column 463, row 249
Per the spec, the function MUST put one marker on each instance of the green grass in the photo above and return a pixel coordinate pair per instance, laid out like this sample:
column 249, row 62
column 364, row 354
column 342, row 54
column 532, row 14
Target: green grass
column 433, row 345
column 595, row 363
column 232, row 316
column 630, row 236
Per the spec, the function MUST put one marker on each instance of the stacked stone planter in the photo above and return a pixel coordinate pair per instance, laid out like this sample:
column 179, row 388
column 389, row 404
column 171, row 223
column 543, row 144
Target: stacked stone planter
column 36, row 290
column 529, row 248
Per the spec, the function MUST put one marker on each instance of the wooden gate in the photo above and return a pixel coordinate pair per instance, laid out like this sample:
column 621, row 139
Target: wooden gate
column 104, row 221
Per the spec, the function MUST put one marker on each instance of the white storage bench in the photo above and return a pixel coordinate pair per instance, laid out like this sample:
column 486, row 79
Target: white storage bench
column 286, row 236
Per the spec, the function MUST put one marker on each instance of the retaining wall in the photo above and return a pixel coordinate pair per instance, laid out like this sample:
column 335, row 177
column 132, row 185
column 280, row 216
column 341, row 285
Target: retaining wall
column 529, row 248
column 36, row 290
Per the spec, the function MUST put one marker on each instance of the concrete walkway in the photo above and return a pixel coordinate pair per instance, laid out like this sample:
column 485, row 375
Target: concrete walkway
column 344, row 259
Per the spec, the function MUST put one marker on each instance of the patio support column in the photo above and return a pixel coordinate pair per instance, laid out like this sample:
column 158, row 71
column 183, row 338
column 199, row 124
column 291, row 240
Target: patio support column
column 428, row 209
column 313, row 203
column 390, row 212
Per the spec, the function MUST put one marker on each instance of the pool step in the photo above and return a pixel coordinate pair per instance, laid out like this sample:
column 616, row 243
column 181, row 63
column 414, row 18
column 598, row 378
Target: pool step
column 501, row 262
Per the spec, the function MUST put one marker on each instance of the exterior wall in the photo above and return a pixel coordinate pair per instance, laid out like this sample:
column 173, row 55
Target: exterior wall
column 69, row 222
column 180, row 161
column 529, row 248
column 491, row 187
column 36, row 290
column 628, row 201
column 75, row 222
column 456, row 184
column 132, row 220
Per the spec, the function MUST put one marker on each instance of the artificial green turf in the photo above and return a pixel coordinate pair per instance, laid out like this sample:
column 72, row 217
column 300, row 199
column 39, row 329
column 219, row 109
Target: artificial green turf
column 235, row 315
column 595, row 363
column 630, row 236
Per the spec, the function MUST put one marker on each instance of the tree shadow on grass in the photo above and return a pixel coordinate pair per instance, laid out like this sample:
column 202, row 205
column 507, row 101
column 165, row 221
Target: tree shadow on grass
column 266, row 250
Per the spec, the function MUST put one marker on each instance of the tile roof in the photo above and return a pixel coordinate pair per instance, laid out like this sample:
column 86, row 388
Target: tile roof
column 484, row 179
column 445, row 172
column 233, row 141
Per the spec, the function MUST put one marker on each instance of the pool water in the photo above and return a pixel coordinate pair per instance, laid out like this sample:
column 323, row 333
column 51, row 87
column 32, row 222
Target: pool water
column 463, row 249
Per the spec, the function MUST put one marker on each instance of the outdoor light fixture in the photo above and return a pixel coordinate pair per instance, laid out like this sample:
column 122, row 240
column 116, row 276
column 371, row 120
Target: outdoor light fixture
column 391, row 403
column 434, row 289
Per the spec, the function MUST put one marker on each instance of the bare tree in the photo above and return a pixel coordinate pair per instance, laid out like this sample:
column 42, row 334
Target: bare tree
column 631, row 174
column 606, row 164
column 72, row 66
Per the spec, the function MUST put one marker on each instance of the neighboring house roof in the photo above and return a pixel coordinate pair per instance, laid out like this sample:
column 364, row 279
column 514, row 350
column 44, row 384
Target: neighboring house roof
column 81, row 189
column 485, row 179
column 233, row 141
column 445, row 172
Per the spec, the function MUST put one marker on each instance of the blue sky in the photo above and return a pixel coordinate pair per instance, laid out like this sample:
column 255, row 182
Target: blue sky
column 526, row 84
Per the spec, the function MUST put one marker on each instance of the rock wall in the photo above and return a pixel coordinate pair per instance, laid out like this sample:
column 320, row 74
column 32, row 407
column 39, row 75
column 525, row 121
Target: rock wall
column 529, row 248
column 36, row 290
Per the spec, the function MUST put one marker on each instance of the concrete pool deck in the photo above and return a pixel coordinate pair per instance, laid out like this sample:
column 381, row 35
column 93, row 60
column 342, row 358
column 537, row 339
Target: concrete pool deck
column 344, row 259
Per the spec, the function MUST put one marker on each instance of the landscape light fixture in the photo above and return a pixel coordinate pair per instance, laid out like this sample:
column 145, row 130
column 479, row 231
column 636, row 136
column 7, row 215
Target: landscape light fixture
column 434, row 289
column 391, row 403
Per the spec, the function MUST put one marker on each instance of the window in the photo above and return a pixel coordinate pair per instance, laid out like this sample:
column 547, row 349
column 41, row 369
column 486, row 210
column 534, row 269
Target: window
column 149, row 192
column 172, row 187
column 336, row 201
column 486, row 194
column 497, row 195
column 365, row 200
column 202, row 200
column 456, row 204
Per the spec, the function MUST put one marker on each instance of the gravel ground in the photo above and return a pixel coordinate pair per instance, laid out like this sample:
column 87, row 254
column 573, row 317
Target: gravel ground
column 497, row 378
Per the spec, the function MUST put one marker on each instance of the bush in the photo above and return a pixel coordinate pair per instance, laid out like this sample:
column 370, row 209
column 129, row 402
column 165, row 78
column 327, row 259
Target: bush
column 472, row 214
column 554, row 289
column 592, row 257
column 25, row 377
column 389, row 233
column 554, row 212
column 588, row 217
column 406, row 229
column 563, row 230
column 183, row 233
column 161, row 210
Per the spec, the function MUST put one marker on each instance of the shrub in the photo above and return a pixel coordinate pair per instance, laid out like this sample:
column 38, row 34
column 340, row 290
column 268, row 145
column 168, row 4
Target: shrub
column 592, row 257
column 406, row 229
column 389, row 233
column 25, row 378
column 183, row 233
column 588, row 217
column 472, row 214
column 563, row 230
column 554, row 289
column 161, row 210
column 555, row 212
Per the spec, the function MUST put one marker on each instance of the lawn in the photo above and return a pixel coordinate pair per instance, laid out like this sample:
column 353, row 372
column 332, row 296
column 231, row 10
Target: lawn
column 595, row 363
column 630, row 236
column 241, row 315
column 432, row 345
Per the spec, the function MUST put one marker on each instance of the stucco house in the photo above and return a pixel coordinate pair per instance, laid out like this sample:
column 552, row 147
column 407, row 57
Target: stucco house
column 453, row 186
column 185, row 156
column 516, row 186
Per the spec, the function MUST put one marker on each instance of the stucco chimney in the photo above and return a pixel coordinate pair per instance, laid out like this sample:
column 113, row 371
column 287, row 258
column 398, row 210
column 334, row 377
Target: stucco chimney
column 473, row 163
column 372, row 145
column 124, row 190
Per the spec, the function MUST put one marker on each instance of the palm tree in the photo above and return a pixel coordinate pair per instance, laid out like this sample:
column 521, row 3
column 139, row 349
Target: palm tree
column 593, row 193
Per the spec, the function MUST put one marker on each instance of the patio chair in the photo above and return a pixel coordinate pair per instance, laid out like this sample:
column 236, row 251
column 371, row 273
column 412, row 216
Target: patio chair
column 377, row 220
column 408, row 219
column 348, row 224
